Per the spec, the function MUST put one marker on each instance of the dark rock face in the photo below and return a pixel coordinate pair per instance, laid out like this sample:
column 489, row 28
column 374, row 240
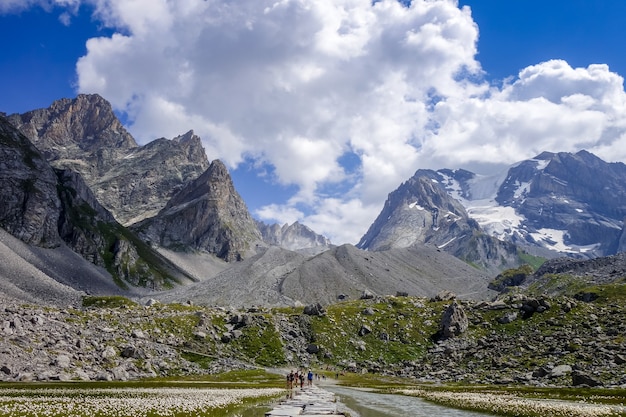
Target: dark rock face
column 208, row 214
column 579, row 194
column 421, row 211
column 133, row 182
column 30, row 204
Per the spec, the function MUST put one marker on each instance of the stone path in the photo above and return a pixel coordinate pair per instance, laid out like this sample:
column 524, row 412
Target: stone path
column 310, row 401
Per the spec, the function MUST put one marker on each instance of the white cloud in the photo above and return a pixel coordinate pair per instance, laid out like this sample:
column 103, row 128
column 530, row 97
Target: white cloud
column 293, row 83
column 297, row 84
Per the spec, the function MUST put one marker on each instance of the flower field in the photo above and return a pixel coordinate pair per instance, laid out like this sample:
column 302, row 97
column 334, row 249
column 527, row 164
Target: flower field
column 121, row 402
column 503, row 404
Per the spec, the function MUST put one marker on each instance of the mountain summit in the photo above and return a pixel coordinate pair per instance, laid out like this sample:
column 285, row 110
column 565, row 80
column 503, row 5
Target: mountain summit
column 208, row 215
column 552, row 205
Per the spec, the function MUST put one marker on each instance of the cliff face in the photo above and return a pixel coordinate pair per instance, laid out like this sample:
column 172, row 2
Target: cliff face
column 133, row 182
column 30, row 204
column 207, row 215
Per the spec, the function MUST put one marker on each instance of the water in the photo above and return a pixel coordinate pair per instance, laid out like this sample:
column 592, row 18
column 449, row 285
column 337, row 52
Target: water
column 369, row 404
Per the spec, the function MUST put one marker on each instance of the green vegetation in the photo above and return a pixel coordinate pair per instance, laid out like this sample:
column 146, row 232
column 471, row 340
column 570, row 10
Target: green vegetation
column 261, row 343
column 108, row 301
column 394, row 330
column 534, row 261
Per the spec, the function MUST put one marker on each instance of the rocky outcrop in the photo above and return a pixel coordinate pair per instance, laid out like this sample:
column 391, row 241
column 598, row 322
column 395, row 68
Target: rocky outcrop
column 453, row 322
column 207, row 215
column 295, row 237
column 82, row 134
column 133, row 182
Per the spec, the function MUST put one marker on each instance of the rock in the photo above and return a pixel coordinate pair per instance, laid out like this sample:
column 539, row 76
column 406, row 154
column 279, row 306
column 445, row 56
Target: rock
column 62, row 361
column 314, row 310
column 581, row 378
column 199, row 335
column 138, row 334
column 366, row 295
column 508, row 318
column 453, row 321
column 559, row 371
column 444, row 295
column 369, row 311
column 109, row 353
column 312, row 348
column 364, row 330
column 6, row 370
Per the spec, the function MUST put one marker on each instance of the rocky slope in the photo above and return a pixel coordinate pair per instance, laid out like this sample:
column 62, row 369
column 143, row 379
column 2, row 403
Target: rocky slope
column 518, row 339
column 277, row 277
column 133, row 182
column 421, row 211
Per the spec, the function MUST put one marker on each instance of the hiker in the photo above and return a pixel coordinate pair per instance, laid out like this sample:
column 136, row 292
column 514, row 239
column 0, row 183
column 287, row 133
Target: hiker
column 290, row 378
column 310, row 377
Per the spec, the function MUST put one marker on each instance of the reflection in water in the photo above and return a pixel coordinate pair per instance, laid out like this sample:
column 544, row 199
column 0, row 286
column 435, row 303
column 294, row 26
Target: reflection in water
column 368, row 404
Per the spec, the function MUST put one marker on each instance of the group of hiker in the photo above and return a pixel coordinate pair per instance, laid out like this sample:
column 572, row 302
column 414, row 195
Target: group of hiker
column 297, row 377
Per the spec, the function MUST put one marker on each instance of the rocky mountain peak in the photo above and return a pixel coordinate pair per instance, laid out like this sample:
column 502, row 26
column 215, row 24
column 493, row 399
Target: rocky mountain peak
column 208, row 215
column 86, row 123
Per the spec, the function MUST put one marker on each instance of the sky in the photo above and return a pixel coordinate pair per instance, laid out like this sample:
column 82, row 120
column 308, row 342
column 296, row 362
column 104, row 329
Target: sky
column 321, row 108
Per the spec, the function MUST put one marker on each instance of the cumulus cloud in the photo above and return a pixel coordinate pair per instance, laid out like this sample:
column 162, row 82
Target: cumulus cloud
column 303, row 85
column 296, row 84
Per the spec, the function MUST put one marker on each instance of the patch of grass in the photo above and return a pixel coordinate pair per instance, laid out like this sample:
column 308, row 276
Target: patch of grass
column 399, row 329
column 108, row 301
column 261, row 342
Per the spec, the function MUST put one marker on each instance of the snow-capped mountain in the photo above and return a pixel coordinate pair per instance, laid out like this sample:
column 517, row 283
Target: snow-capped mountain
column 556, row 203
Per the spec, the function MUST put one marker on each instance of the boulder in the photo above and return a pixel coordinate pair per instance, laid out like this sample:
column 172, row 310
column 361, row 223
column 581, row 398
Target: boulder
column 453, row 321
column 314, row 310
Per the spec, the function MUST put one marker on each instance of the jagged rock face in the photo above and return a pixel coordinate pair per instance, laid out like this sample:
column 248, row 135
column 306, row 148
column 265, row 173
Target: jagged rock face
column 209, row 215
column 74, row 130
column 293, row 237
column 28, row 190
column 132, row 182
column 417, row 212
column 141, row 183
column 578, row 194
column 420, row 211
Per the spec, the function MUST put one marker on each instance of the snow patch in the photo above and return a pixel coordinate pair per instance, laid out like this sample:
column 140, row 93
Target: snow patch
column 555, row 240
column 446, row 243
column 416, row 206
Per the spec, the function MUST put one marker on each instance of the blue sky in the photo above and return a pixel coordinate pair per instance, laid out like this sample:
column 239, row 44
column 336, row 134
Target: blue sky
column 321, row 108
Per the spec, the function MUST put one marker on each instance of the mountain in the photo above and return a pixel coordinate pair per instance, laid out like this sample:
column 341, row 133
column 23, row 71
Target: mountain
column 133, row 182
column 52, row 208
column 295, row 236
column 421, row 211
column 552, row 205
column 279, row 277
column 206, row 215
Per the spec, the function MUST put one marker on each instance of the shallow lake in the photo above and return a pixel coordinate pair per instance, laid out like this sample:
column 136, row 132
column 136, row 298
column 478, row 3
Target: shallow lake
column 369, row 404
